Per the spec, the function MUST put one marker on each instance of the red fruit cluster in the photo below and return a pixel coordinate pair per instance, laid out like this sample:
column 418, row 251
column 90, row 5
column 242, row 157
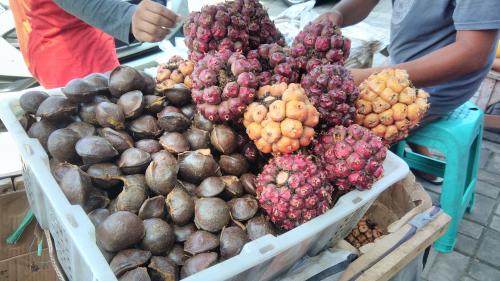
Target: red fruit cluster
column 237, row 25
column 331, row 89
column 321, row 42
column 292, row 190
column 277, row 64
column 352, row 157
column 223, row 84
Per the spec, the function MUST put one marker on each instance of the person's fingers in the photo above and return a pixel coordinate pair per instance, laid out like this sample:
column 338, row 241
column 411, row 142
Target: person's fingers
column 161, row 10
column 157, row 19
column 153, row 32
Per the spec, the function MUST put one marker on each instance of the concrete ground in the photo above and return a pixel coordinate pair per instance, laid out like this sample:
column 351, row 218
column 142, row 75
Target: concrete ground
column 477, row 251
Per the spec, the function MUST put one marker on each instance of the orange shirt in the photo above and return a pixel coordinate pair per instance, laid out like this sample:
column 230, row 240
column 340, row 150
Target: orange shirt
column 57, row 46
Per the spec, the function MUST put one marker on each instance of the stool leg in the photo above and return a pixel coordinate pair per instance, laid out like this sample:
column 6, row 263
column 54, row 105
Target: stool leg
column 471, row 204
column 451, row 201
column 476, row 152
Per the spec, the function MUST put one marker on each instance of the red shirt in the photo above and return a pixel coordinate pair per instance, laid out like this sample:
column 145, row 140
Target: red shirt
column 57, row 46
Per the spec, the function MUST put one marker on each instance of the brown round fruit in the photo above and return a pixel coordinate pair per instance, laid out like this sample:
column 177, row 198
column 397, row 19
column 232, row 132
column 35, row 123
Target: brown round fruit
column 173, row 121
column 41, row 131
column 234, row 164
column 131, row 199
column 131, row 104
column 211, row 214
column 82, row 129
column 195, row 166
column 244, row 208
column 134, row 161
column 110, row 115
column 120, row 140
column 153, row 207
column 162, row 268
column 210, row 187
column 56, row 108
column 31, row 100
column 98, row 215
column 201, row 241
column 180, row 206
column 61, row 145
column 161, row 175
column 159, row 237
column 183, row 232
column 258, row 227
column 128, row 259
column 248, row 182
column 104, row 175
column 145, row 127
column 120, row 231
column 149, row 145
column 198, row 263
column 223, row 139
column 174, row 142
column 197, row 138
column 232, row 240
column 177, row 254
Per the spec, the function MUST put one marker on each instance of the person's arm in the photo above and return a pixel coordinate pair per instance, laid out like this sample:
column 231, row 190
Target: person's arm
column 349, row 12
column 468, row 54
column 148, row 21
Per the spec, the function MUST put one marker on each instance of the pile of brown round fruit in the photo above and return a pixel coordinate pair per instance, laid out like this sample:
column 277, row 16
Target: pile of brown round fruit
column 176, row 180
column 169, row 192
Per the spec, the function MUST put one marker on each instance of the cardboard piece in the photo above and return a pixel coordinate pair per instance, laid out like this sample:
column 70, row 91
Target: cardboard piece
column 19, row 261
column 391, row 211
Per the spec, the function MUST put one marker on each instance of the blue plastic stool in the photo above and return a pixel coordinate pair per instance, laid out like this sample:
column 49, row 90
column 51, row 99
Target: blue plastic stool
column 458, row 136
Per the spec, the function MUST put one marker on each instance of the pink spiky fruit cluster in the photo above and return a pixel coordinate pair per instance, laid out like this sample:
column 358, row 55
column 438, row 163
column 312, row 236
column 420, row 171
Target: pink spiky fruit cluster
column 352, row 157
column 331, row 89
column 321, row 42
column 292, row 190
column 238, row 25
column 223, row 84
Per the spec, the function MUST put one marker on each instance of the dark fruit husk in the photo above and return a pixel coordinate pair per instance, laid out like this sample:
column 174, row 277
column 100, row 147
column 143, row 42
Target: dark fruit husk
column 153, row 104
column 145, row 127
column 233, row 189
column 124, row 79
column 211, row 214
column 183, row 232
column 149, row 83
column 87, row 110
column 189, row 110
column 98, row 215
column 178, row 95
column 234, row 164
column 110, row 115
column 80, row 90
column 248, row 182
column 210, row 187
column 134, row 161
column 161, row 175
column 258, row 227
column 198, row 263
column 243, row 209
column 31, row 100
column 128, row 259
column 119, row 231
column 138, row 274
column 201, row 241
column 120, row 140
column 197, row 138
column 177, row 255
column 174, row 142
column 195, row 166
column 153, row 207
column 82, row 129
column 180, row 206
column 223, row 139
column 173, row 121
column 159, row 237
column 149, row 145
column 104, row 175
column 41, row 131
column 95, row 149
column 61, row 145
column 131, row 199
column 56, row 108
column 131, row 104
column 76, row 185
column 200, row 122
column 232, row 240
column 97, row 199
column 163, row 269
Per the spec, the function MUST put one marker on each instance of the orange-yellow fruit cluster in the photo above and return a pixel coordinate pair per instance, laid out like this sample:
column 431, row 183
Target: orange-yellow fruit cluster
column 282, row 120
column 176, row 70
column 389, row 105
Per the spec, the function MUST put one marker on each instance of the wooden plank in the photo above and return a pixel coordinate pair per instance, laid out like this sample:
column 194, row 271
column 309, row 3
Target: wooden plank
column 404, row 254
column 485, row 91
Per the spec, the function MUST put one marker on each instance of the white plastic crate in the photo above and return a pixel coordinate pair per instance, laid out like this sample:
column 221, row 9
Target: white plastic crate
column 262, row 259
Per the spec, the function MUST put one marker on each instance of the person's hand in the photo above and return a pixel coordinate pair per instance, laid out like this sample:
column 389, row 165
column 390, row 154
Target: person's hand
column 151, row 21
column 333, row 16
column 360, row 74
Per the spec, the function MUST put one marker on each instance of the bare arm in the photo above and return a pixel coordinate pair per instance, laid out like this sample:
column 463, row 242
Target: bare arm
column 496, row 64
column 468, row 54
column 349, row 12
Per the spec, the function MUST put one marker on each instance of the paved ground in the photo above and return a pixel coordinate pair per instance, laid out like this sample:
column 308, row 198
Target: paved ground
column 477, row 251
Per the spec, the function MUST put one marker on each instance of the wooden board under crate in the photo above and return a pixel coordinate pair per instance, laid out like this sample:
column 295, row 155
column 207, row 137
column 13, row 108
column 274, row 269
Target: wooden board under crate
column 489, row 93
